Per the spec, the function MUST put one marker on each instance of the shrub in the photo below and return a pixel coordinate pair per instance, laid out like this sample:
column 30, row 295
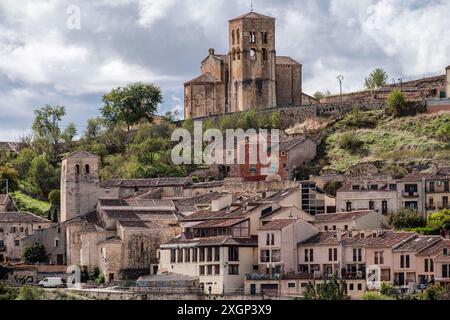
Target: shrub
column 407, row 219
column 350, row 142
column 369, row 295
column 7, row 293
column 434, row 292
column 30, row 293
column 100, row 279
column 440, row 220
column 397, row 105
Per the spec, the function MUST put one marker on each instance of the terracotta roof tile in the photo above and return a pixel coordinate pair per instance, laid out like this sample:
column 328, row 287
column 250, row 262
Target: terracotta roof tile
column 277, row 224
column 21, row 217
column 341, row 216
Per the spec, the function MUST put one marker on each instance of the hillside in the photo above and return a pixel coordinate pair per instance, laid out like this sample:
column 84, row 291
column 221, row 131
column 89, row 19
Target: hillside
column 371, row 136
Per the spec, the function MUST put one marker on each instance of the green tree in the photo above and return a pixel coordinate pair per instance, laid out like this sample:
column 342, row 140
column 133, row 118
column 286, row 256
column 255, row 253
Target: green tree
column 434, row 292
column 377, row 79
column 54, row 197
column 319, row 95
column 396, row 104
column 444, row 132
column 407, row 219
column 132, row 103
column 440, row 220
column 333, row 289
column 7, row 293
column 49, row 139
column 42, row 175
column 349, row 141
column 332, row 187
column 34, row 254
column 23, row 162
column 11, row 175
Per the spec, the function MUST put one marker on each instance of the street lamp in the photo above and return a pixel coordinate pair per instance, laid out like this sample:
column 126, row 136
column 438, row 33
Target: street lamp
column 340, row 78
column 401, row 84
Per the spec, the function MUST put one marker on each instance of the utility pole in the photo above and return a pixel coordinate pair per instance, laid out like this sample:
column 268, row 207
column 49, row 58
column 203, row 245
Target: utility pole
column 7, row 185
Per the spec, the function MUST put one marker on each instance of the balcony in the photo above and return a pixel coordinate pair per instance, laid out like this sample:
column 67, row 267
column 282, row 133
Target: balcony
column 259, row 277
column 407, row 194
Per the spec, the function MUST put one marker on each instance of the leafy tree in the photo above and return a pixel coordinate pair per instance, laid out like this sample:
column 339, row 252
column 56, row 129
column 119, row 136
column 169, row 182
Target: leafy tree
column 319, row 95
column 54, row 197
column 42, row 175
column 49, row 139
column 23, row 162
column 440, row 220
column 11, row 175
column 132, row 103
column 377, row 79
column 434, row 292
column 34, row 254
column 396, row 104
column 332, row 289
column 7, row 293
column 407, row 219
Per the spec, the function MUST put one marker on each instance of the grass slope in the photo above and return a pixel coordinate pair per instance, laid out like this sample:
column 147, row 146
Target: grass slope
column 27, row 203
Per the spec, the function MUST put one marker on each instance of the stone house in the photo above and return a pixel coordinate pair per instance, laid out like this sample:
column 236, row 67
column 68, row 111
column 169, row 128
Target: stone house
column 438, row 189
column 14, row 227
column 6, row 203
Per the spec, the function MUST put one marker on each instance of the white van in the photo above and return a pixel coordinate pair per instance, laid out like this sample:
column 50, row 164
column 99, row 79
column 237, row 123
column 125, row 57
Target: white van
column 52, row 283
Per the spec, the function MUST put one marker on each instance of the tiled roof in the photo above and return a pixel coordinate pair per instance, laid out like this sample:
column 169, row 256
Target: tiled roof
column 136, row 203
column 212, row 184
column 286, row 61
column 342, row 216
column 91, row 218
column 146, row 183
column 382, row 186
column 204, row 199
column 419, row 244
column 282, row 194
column 391, row 239
column 215, row 241
column 277, row 224
column 21, row 217
column 252, row 15
column 219, row 223
column 227, row 213
column 321, row 239
column 442, row 173
column 414, row 177
column 204, row 78
column 133, row 224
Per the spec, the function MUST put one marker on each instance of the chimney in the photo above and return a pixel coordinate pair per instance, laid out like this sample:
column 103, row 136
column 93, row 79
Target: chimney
column 211, row 51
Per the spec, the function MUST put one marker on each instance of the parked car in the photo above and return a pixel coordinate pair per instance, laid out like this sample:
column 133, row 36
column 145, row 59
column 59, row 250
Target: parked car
column 52, row 282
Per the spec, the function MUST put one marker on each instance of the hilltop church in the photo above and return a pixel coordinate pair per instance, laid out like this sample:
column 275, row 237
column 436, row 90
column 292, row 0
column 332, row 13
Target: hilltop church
column 250, row 76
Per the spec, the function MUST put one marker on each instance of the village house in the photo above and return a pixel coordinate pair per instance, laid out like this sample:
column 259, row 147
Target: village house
column 411, row 190
column 14, row 227
column 438, row 189
column 378, row 195
column 354, row 220
column 442, row 264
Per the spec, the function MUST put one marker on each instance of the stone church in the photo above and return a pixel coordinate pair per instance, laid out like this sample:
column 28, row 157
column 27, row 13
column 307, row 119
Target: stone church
column 250, row 76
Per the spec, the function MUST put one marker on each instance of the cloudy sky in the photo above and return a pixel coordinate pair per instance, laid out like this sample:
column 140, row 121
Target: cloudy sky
column 46, row 59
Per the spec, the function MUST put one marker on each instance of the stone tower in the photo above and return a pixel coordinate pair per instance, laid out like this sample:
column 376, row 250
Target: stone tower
column 79, row 184
column 252, row 62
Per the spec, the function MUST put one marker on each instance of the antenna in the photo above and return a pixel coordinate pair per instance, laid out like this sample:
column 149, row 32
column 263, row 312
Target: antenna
column 251, row 6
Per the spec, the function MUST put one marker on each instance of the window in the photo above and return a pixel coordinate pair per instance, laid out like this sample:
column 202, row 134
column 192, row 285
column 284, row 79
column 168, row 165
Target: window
column 253, row 54
column 334, row 228
column 252, row 37
column 330, row 254
column 187, row 255
column 233, row 54
column 379, row 257
column 446, row 186
column 86, row 169
column 431, row 265
column 407, row 261
column 445, row 251
column 346, row 227
column 2, row 243
column 233, row 254
column 273, row 239
column 216, row 270
column 202, row 270
column 238, row 36
column 426, row 265
column 59, row 230
column 432, row 186
column 374, row 187
column 392, row 187
column 77, row 169
column 371, row 205
column 402, row 261
column 351, row 287
column 1, row 230
column 217, row 254
column 56, row 243
column 232, row 37
column 194, row 255
column 180, row 255
column 264, row 37
column 265, row 256
column 349, row 206
column 210, row 270
column 359, row 287
column 13, row 230
column 209, row 254
column 276, row 256
column 233, row 269
column 445, row 271
column 266, row 211
column 264, row 54
column 291, row 285
column 311, row 255
column 202, row 254
column 238, row 53
column 21, row 229
column 355, row 251
column 306, row 255
column 16, row 243
column 326, row 228
column 360, row 255
column 268, row 240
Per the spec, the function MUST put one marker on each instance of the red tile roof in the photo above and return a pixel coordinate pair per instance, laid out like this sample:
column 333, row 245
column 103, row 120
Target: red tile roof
column 277, row 224
column 341, row 216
